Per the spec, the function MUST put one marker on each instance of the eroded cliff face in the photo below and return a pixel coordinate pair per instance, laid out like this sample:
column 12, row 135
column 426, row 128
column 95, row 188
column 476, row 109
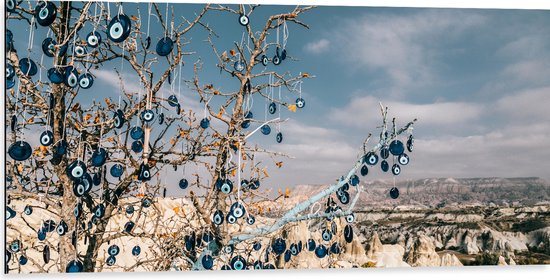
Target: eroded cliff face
column 462, row 221
column 411, row 250
column 465, row 240
column 540, row 240
column 446, row 192
column 422, row 253
column 459, row 220
column 388, row 255
column 468, row 234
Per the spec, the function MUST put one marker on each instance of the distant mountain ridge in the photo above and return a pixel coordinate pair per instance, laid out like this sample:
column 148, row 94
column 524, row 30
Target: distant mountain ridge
column 441, row 192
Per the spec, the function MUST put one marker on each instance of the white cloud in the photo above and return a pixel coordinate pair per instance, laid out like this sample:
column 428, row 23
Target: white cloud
column 523, row 46
column 311, row 143
column 527, row 63
column 526, row 106
column 111, row 78
column 319, row 155
column 317, row 47
column 404, row 47
column 528, row 71
column 299, row 130
column 516, row 151
column 365, row 112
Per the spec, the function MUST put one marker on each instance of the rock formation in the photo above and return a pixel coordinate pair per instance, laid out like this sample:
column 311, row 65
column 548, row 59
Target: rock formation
column 423, row 253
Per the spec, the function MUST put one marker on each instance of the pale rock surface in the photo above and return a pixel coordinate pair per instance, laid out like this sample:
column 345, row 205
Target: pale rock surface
column 385, row 255
column 390, row 256
column 451, row 243
column 540, row 239
column 450, row 260
column 469, row 245
column 423, row 253
column 501, row 261
column 374, row 246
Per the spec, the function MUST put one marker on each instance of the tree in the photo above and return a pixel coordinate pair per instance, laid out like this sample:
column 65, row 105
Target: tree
column 98, row 160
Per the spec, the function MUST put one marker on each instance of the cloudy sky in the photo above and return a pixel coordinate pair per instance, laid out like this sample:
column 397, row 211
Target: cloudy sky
column 477, row 80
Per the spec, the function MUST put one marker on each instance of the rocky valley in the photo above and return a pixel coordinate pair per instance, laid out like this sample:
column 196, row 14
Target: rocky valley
column 434, row 222
column 447, row 221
